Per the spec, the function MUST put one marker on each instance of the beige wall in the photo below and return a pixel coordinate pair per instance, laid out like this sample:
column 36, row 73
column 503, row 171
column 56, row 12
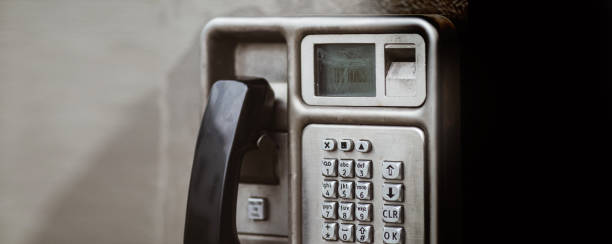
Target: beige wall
column 99, row 109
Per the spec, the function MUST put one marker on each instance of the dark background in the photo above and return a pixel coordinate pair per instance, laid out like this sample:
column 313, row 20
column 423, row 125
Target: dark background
column 536, row 112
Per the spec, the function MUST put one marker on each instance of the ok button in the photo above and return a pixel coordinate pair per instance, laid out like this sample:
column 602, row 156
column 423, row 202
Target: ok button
column 393, row 235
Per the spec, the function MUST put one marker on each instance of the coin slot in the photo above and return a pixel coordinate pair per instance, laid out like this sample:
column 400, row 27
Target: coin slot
column 400, row 70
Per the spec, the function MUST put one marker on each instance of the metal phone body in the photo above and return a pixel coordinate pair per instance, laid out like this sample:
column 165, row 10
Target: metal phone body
column 426, row 124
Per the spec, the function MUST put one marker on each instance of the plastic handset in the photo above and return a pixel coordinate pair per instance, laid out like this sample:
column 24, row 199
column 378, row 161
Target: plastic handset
column 237, row 113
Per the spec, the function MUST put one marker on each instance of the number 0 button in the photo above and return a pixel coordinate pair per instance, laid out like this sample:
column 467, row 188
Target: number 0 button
column 346, row 232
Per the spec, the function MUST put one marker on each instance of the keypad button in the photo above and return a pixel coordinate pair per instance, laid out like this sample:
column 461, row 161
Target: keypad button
column 393, row 192
column 363, row 212
column 328, row 145
column 329, row 231
column 328, row 210
column 346, row 145
column 363, row 190
column 345, row 167
column 393, row 235
column 364, row 233
column 363, row 169
column 393, row 170
column 393, row 214
column 328, row 167
column 363, row 146
column 328, row 188
column 345, row 189
column 346, row 232
column 346, row 210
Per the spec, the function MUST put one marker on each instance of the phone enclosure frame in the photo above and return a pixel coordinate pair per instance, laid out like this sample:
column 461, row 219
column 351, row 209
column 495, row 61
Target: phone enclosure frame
column 438, row 116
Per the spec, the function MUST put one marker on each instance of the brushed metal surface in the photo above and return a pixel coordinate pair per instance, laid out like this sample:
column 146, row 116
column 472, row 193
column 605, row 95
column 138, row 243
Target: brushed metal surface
column 277, row 198
column 261, row 239
column 395, row 143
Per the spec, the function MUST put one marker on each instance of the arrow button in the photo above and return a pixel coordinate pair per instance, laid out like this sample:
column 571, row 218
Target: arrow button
column 393, row 170
column 363, row 146
column 393, row 192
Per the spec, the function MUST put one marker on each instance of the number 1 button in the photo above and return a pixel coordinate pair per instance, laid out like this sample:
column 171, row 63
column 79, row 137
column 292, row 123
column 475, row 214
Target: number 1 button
column 328, row 167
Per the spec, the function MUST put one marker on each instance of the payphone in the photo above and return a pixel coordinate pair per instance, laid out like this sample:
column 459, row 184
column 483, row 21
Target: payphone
column 351, row 134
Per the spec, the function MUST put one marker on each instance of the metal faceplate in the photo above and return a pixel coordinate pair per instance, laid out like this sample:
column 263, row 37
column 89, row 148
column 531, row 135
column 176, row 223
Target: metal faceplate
column 388, row 143
column 436, row 119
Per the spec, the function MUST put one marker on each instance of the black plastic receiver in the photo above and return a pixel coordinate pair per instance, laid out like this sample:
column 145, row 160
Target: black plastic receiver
column 238, row 111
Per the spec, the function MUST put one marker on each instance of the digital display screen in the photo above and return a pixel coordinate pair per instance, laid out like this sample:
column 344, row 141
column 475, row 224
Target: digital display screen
column 345, row 70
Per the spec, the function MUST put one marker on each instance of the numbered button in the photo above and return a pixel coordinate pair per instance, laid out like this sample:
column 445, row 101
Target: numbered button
column 363, row 190
column 328, row 145
column 393, row 192
column 346, row 232
column 393, row 170
column 328, row 210
column 329, row 231
column 363, row 146
column 346, row 210
column 328, row 188
column 328, row 167
column 363, row 212
column 393, row 235
column 364, row 233
column 346, row 168
column 346, row 145
column 345, row 189
column 393, row 214
column 363, row 169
